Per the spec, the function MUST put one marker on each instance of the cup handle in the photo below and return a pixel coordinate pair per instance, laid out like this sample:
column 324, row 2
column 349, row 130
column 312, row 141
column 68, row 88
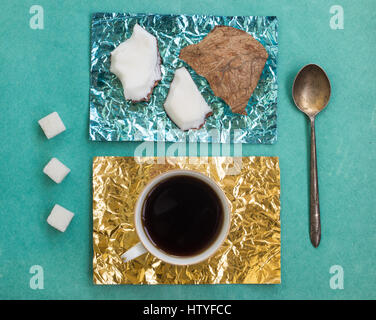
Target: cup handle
column 134, row 252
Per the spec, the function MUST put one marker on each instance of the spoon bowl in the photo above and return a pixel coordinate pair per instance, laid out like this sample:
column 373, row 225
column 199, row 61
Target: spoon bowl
column 311, row 93
column 311, row 90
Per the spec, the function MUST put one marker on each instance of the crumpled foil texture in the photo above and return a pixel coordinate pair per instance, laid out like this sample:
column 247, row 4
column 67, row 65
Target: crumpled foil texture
column 112, row 118
column 251, row 253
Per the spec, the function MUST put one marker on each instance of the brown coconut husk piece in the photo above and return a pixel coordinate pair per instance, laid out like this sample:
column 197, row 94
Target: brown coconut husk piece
column 231, row 60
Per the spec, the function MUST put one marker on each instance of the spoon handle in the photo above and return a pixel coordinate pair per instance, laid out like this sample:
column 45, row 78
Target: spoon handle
column 314, row 210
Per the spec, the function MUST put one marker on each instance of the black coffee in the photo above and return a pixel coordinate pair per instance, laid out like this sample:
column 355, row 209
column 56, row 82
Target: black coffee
column 182, row 215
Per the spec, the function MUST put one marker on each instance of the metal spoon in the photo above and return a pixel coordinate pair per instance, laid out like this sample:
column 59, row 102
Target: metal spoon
column 311, row 93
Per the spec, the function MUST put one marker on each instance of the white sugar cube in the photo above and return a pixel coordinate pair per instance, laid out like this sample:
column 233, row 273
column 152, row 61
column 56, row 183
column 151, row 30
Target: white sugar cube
column 56, row 170
column 60, row 218
column 52, row 125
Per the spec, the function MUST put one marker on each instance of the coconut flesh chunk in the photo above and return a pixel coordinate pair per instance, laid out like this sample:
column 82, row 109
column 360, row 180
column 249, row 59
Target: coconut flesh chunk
column 184, row 104
column 137, row 63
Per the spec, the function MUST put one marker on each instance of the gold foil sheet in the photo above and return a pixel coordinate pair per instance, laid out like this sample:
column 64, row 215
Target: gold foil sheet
column 251, row 253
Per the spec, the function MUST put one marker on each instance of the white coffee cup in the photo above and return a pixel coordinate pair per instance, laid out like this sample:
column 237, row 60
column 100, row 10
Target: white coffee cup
column 146, row 245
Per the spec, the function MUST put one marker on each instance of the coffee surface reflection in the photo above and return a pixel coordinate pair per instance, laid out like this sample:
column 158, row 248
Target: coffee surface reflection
column 182, row 215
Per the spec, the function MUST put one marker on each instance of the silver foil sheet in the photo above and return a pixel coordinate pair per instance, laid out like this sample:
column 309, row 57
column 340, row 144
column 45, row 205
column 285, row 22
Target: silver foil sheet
column 112, row 118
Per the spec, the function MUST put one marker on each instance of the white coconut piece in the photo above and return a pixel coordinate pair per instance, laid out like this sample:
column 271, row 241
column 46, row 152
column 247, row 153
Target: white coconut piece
column 185, row 105
column 137, row 63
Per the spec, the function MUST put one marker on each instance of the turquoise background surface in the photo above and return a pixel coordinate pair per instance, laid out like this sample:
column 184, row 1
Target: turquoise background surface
column 48, row 70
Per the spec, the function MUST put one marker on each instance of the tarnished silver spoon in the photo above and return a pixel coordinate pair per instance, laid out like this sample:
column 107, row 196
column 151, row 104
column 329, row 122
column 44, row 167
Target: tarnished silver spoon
column 311, row 92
